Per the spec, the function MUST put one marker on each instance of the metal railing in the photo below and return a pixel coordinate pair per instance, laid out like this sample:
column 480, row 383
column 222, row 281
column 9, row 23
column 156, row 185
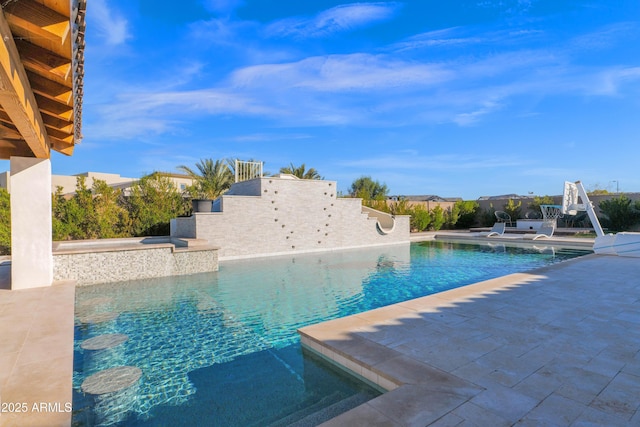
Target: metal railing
column 247, row 170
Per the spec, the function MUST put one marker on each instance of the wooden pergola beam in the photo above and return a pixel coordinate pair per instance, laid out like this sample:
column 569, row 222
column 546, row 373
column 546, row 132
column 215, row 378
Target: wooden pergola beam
column 16, row 96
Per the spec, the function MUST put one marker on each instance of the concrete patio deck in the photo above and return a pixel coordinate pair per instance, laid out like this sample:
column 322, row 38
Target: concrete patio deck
column 36, row 353
column 558, row 346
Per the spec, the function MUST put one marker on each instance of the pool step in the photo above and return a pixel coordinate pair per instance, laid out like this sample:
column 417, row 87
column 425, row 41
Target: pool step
column 318, row 413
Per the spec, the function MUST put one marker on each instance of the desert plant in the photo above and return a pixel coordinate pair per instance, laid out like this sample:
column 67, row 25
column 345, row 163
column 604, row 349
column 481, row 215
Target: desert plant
column 211, row 179
column 301, row 171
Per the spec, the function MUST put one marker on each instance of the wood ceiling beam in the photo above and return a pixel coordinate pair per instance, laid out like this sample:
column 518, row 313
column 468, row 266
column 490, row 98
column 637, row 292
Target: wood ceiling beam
column 16, row 96
column 63, row 7
column 41, row 25
column 50, row 89
column 7, row 132
column 53, row 108
column 10, row 148
column 58, row 124
column 63, row 146
column 43, row 61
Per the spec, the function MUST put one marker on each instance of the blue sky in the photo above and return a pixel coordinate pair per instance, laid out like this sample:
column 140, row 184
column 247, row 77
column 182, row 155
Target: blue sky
column 456, row 98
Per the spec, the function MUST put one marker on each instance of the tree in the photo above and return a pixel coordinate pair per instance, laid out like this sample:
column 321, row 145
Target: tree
column 212, row 179
column 366, row 188
column 112, row 219
column 74, row 218
column 420, row 218
column 301, row 171
column 513, row 209
column 437, row 218
column 153, row 201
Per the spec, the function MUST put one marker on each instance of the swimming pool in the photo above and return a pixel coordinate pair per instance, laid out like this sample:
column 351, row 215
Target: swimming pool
column 222, row 348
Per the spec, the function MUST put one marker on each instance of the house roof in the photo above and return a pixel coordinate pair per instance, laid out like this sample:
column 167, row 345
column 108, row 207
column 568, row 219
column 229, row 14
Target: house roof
column 41, row 76
column 425, row 198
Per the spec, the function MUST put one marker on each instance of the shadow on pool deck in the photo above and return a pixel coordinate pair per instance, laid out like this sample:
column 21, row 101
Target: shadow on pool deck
column 556, row 346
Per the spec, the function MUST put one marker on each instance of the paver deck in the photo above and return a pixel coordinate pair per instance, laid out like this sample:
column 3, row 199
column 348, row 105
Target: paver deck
column 558, row 346
column 36, row 354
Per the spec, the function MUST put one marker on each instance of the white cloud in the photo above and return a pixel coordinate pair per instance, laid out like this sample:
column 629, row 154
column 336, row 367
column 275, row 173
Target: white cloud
column 341, row 73
column 264, row 137
column 338, row 19
column 466, row 119
column 107, row 23
column 609, row 81
column 621, row 32
column 441, row 163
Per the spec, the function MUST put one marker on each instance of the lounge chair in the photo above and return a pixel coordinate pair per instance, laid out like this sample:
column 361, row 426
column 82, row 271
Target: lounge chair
column 497, row 230
column 542, row 232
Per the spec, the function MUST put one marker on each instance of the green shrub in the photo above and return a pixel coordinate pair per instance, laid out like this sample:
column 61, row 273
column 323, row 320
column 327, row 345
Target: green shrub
column 437, row 218
column 488, row 216
column 467, row 212
column 5, row 222
column 420, row 218
column 619, row 214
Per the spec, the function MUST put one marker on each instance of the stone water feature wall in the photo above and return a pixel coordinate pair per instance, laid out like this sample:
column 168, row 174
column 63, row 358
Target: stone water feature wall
column 284, row 215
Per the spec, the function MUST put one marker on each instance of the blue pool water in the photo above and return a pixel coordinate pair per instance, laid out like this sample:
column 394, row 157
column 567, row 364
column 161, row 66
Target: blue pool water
column 221, row 349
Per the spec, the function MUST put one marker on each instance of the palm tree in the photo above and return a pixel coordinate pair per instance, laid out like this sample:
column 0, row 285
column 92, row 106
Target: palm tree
column 211, row 178
column 300, row 172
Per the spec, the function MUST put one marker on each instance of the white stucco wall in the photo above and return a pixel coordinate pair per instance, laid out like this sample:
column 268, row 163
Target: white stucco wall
column 284, row 216
column 31, row 253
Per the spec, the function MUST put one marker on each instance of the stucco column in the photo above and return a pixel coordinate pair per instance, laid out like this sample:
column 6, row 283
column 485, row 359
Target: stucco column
column 31, row 254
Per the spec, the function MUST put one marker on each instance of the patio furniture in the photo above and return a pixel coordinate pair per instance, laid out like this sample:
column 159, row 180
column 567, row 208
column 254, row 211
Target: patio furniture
column 542, row 232
column 497, row 230
column 502, row 216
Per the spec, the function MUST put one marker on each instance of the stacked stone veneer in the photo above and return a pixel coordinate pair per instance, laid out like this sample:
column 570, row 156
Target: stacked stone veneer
column 115, row 261
column 283, row 215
